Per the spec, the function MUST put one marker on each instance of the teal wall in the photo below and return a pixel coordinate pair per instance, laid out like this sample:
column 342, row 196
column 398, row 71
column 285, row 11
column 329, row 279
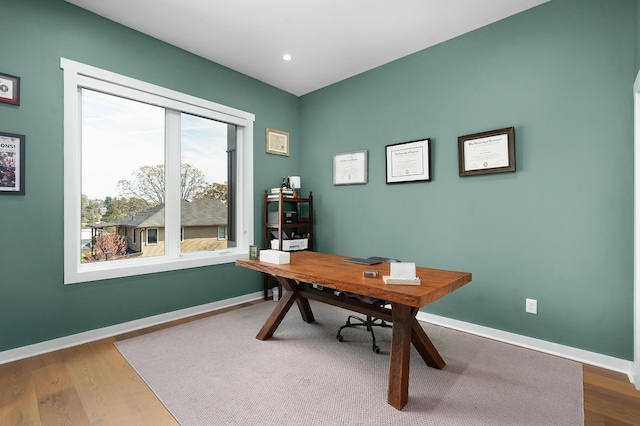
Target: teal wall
column 559, row 230
column 34, row 304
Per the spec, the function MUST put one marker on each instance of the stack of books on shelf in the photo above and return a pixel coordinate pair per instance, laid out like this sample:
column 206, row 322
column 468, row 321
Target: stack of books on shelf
column 286, row 192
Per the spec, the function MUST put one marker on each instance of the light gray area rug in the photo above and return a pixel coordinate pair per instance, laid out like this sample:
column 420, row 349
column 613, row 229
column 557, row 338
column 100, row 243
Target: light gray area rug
column 214, row 371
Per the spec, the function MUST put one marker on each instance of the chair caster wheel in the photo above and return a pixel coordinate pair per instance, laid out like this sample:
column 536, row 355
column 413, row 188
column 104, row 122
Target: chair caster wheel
column 340, row 338
column 376, row 349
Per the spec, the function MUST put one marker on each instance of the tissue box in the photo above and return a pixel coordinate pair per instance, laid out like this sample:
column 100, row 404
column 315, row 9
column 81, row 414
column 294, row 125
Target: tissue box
column 275, row 256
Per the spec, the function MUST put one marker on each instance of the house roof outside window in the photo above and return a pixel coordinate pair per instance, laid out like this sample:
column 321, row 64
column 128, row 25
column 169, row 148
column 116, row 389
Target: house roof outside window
column 192, row 213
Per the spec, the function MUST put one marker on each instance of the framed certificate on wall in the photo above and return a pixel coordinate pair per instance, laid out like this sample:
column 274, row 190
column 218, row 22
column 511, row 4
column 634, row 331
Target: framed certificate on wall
column 277, row 142
column 409, row 161
column 9, row 89
column 350, row 168
column 487, row 152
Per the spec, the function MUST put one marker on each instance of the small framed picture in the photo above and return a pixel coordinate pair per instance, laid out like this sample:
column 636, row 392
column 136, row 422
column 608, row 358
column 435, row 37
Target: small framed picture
column 487, row 152
column 350, row 168
column 409, row 161
column 11, row 164
column 9, row 89
column 277, row 142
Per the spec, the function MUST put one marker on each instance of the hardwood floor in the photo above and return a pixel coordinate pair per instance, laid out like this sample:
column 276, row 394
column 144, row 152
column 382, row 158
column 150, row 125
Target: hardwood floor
column 609, row 398
column 92, row 384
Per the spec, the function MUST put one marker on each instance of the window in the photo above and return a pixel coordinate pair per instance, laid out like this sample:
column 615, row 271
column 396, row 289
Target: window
column 152, row 236
column 141, row 156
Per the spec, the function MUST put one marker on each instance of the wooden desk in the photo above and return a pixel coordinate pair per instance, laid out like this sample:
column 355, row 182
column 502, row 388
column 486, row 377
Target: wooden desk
column 332, row 272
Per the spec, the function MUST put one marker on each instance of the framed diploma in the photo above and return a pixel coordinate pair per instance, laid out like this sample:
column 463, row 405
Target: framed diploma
column 277, row 142
column 11, row 164
column 9, row 89
column 350, row 168
column 409, row 161
column 487, row 152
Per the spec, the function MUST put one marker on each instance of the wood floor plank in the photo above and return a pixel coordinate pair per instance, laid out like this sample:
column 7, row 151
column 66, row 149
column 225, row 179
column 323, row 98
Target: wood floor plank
column 612, row 405
column 106, row 380
column 57, row 397
column 142, row 404
column 592, row 418
column 93, row 379
column 62, row 408
column 618, row 383
column 18, row 402
column 51, row 379
column 614, row 422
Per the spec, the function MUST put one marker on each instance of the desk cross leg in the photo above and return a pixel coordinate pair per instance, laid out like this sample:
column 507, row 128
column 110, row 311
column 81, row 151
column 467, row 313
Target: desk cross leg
column 283, row 306
column 407, row 330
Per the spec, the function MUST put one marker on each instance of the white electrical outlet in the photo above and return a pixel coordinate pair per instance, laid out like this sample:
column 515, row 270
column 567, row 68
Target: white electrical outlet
column 532, row 306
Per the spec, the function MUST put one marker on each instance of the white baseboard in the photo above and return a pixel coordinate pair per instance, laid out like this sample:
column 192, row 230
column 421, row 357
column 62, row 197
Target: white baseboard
column 114, row 330
column 568, row 352
column 580, row 355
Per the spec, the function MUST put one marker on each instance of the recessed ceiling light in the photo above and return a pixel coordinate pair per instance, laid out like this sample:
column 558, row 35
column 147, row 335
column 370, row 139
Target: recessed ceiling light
column 287, row 57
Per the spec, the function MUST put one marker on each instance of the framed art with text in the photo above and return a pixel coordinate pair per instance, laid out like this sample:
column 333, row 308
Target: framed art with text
column 350, row 168
column 487, row 152
column 409, row 161
column 9, row 89
column 277, row 142
column 11, row 164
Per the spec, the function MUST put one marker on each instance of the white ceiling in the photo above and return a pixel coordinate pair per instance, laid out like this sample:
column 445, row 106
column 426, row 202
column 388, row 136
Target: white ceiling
column 329, row 40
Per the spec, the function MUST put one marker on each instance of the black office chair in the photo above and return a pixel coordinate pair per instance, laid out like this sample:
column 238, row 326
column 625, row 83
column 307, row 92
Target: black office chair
column 369, row 322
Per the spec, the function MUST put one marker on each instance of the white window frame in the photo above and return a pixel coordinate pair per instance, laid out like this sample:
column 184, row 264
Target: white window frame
column 77, row 76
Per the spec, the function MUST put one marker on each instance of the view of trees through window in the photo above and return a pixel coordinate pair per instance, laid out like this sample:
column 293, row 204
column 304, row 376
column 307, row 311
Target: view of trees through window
column 123, row 179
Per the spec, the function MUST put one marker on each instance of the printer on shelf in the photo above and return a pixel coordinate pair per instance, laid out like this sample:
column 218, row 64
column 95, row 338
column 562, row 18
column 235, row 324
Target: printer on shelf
column 291, row 245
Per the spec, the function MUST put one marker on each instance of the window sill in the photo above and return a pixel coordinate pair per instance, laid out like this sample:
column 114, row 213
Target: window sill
column 126, row 268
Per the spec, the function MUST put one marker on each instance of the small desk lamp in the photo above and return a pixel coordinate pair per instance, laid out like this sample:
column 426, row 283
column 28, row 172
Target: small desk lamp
column 294, row 181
